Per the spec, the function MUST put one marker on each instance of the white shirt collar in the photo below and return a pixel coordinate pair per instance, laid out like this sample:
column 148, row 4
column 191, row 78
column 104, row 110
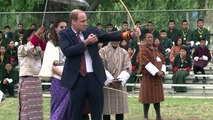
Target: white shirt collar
column 74, row 30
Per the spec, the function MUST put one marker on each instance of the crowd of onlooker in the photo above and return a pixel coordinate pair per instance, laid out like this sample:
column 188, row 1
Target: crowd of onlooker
column 170, row 42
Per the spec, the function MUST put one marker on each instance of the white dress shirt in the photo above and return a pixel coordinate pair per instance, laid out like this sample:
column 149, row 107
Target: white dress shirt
column 88, row 59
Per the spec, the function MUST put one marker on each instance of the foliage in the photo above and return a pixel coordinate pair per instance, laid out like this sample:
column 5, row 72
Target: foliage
column 111, row 5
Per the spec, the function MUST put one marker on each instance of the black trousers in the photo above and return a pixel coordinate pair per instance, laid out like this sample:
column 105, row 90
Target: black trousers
column 198, row 69
column 9, row 87
column 117, row 117
column 86, row 87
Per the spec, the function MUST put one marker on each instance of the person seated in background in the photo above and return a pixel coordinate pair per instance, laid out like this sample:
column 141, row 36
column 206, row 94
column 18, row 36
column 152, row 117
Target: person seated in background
column 181, row 67
column 157, row 48
column 117, row 68
column 19, row 30
column 132, row 54
column 138, row 24
column 172, row 32
column 3, row 41
column 124, row 44
column 12, row 52
column 150, row 29
column 165, row 46
column 110, row 27
column 201, row 33
column 99, row 26
column 124, row 27
column 33, row 26
column 10, row 79
column 186, row 35
column 4, row 57
column 175, row 50
column 8, row 35
column 201, row 57
column 18, row 40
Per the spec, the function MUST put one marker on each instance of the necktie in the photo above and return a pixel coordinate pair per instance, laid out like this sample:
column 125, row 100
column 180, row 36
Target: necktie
column 83, row 70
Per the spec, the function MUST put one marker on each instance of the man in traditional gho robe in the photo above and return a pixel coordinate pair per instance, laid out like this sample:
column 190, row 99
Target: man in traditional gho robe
column 201, row 58
column 151, row 90
column 117, row 67
column 186, row 34
column 201, row 33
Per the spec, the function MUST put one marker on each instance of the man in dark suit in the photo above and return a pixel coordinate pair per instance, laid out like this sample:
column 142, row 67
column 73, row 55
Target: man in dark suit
column 84, row 72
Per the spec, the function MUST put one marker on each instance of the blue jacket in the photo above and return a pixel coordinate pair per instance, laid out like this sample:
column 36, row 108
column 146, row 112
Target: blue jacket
column 72, row 49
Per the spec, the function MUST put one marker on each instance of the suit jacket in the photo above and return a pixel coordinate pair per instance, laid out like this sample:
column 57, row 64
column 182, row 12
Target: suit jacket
column 73, row 50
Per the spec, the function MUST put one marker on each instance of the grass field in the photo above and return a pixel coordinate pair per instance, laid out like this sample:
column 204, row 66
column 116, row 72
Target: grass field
column 171, row 109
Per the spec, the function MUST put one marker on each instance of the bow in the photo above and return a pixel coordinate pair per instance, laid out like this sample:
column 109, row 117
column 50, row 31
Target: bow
column 134, row 26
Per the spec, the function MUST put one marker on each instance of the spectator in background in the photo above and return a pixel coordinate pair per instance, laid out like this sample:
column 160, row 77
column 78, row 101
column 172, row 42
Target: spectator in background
column 138, row 24
column 172, row 32
column 3, row 41
column 201, row 57
column 99, row 26
column 10, row 79
column 150, row 29
column 201, row 33
column 33, row 26
column 157, row 44
column 165, row 46
column 186, row 35
column 19, row 30
column 18, row 40
column 124, row 27
column 133, row 55
column 175, row 50
column 51, row 25
column 124, row 44
column 110, row 27
column 4, row 57
column 12, row 52
column 8, row 35
column 181, row 67
column 117, row 68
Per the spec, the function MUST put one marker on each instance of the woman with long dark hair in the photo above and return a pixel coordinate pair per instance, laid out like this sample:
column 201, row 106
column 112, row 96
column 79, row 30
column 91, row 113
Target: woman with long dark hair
column 52, row 68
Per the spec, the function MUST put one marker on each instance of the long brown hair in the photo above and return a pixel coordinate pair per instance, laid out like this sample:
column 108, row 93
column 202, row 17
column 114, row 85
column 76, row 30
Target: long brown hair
column 53, row 35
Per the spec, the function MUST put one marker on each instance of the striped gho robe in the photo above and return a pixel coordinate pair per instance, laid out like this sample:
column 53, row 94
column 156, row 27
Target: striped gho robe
column 118, row 65
column 151, row 90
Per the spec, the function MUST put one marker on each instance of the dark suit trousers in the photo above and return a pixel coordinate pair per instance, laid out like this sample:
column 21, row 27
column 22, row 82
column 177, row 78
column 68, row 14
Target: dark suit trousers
column 197, row 69
column 86, row 87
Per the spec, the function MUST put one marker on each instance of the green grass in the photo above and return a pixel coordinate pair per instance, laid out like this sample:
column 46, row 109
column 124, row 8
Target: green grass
column 171, row 109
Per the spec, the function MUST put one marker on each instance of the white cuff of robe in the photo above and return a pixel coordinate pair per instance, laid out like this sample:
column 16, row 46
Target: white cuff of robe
column 1, row 95
column 168, row 50
column 197, row 43
column 123, row 77
column 196, row 58
column 151, row 69
column 109, row 78
column 192, row 43
column 205, row 58
column 9, row 80
column 163, row 68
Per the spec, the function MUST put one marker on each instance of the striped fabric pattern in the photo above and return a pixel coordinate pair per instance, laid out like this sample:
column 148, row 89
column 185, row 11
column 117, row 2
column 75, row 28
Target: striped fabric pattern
column 115, row 102
column 115, row 61
column 30, row 99
column 151, row 90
